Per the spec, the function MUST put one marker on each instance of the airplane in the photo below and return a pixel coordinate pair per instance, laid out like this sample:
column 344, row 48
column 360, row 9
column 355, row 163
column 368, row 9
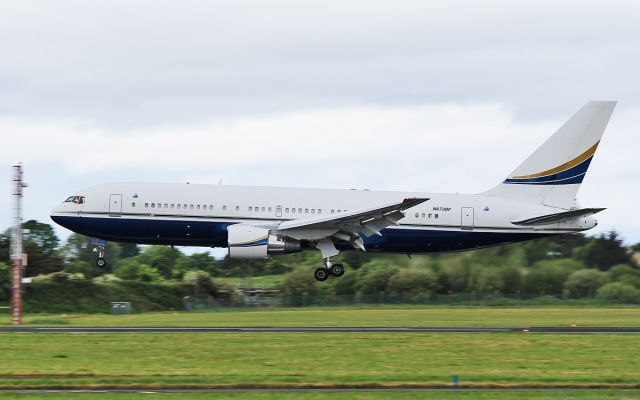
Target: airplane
column 536, row 200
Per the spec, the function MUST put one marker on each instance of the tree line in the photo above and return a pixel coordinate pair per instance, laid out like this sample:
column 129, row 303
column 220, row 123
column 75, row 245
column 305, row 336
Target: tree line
column 569, row 267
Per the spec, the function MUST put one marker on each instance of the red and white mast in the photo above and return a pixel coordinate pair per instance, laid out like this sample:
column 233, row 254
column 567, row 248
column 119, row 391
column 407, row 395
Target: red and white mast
column 16, row 246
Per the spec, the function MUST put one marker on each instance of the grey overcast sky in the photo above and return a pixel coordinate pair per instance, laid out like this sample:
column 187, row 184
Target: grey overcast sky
column 442, row 96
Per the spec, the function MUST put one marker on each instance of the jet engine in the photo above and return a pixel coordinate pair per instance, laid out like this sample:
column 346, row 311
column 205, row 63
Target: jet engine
column 250, row 242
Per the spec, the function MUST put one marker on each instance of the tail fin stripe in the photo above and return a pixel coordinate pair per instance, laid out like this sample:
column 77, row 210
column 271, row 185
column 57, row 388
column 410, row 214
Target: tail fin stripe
column 561, row 178
column 569, row 164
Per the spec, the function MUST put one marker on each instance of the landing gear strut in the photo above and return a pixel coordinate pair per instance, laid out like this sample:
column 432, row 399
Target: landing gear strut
column 328, row 250
column 101, row 262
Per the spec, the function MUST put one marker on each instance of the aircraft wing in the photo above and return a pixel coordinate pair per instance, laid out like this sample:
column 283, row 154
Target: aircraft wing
column 347, row 225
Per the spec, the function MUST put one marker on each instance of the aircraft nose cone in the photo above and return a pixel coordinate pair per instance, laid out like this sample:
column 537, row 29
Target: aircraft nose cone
column 55, row 214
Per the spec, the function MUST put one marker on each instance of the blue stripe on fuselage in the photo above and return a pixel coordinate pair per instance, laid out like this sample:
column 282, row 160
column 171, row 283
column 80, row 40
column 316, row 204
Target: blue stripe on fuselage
column 214, row 234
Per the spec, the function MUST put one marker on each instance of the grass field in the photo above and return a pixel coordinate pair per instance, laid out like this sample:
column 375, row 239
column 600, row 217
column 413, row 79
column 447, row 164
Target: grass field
column 529, row 395
column 359, row 316
column 317, row 359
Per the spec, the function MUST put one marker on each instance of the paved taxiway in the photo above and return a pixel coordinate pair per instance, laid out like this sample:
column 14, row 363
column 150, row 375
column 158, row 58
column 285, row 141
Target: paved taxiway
column 355, row 329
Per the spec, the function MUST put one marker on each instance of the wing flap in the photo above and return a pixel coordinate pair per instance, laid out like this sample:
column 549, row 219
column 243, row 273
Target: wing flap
column 389, row 213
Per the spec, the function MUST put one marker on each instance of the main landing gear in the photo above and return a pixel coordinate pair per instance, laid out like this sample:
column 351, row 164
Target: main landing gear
column 328, row 250
column 322, row 274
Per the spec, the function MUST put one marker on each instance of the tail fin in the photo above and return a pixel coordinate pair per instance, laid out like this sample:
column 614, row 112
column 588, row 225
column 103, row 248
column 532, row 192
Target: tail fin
column 553, row 173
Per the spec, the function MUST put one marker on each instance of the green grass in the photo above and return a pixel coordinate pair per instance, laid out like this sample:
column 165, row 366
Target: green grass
column 317, row 359
column 546, row 395
column 359, row 316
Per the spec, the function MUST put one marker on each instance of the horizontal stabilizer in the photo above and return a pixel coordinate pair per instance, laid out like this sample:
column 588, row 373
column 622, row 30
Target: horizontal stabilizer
column 558, row 217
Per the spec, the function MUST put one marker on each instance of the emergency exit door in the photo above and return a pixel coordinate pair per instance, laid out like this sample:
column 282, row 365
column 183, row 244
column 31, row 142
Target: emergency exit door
column 278, row 211
column 115, row 205
column 467, row 218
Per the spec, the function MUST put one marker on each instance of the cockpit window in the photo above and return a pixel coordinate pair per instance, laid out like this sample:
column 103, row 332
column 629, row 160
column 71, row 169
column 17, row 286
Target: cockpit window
column 75, row 199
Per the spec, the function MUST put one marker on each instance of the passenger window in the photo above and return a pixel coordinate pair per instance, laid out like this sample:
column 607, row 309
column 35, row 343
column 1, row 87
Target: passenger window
column 299, row 210
column 306, row 211
column 250, row 208
column 198, row 207
column 172, row 206
column 422, row 215
column 436, row 215
column 166, row 205
column 146, row 205
column 210, row 207
column 417, row 215
column 293, row 210
column 262, row 209
column 237, row 208
column 338, row 211
column 184, row 206
column 333, row 211
column 319, row 210
column 429, row 215
column 191, row 206
column 224, row 208
column 269, row 209
column 153, row 205
column 286, row 210
column 133, row 204
column 179, row 206
column 313, row 211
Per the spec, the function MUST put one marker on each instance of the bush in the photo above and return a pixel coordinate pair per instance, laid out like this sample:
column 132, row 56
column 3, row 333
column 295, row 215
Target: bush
column 486, row 280
column 84, row 296
column 411, row 281
column 584, row 283
column 617, row 292
column 346, row 285
column 454, row 276
column 512, row 280
column 374, row 277
column 5, row 281
column 59, row 277
column 545, row 278
column 80, row 267
column 298, row 285
column 131, row 269
column 201, row 283
column 625, row 274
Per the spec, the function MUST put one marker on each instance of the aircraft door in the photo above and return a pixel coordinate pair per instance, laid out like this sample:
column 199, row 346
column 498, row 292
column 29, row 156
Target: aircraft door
column 115, row 205
column 467, row 218
column 278, row 211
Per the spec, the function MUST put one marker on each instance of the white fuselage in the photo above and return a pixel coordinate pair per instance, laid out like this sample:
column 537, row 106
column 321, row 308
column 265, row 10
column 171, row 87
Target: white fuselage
column 196, row 214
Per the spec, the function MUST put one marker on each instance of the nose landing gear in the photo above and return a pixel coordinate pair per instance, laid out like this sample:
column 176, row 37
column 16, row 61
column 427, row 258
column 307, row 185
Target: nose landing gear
column 100, row 245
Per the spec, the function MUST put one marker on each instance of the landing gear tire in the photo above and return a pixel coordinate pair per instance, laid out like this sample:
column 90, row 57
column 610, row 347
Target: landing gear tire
column 337, row 270
column 321, row 274
column 101, row 262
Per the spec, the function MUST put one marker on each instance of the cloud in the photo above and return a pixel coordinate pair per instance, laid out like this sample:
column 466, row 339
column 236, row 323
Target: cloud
column 411, row 95
column 150, row 62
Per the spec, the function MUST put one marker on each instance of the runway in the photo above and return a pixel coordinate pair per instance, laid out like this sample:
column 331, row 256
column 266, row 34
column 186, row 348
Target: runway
column 326, row 329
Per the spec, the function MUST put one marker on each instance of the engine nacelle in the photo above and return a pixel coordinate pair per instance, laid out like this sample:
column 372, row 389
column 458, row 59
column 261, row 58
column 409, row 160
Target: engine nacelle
column 246, row 241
